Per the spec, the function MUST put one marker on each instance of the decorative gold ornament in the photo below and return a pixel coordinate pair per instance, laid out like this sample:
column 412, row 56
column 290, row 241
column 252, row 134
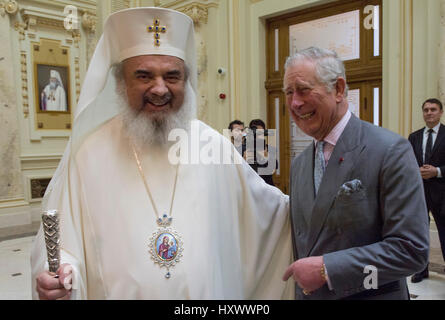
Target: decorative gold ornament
column 51, row 230
column 10, row 7
column 77, row 77
column 24, row 77
column 157, row 29
column 89, row 22
column 199, row 12
column 166, row 247
column 165, row 244
column 75, row 35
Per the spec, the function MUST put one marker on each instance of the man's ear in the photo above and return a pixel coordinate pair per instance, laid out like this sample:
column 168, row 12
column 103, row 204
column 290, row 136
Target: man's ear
column 340, row 88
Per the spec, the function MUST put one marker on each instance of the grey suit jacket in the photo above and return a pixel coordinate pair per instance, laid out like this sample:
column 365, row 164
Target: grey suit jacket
column 384, row 224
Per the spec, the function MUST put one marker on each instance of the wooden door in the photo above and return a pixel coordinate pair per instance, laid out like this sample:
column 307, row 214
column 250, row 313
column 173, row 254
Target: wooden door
column 364, row 72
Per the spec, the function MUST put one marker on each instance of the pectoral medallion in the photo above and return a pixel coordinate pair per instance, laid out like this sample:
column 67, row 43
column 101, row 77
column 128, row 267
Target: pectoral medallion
column 166, row 245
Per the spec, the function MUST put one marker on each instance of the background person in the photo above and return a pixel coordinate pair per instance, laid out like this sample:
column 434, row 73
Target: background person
column 264, row 153
column 429, row 147
column 236, row 127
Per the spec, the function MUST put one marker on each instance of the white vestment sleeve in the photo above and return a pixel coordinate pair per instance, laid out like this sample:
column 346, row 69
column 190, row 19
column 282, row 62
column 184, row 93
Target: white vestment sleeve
column 265, row 233
column 39, row 264
column 62, row 195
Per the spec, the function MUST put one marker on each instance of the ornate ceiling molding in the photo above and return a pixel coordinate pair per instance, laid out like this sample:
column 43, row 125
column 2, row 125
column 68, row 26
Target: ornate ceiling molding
column 117, row 5
column 20, row 27
column 75, row 35
column 81, row 5
column 199, row 12
column 8, row 7
column 89, row 21
column 34, row 17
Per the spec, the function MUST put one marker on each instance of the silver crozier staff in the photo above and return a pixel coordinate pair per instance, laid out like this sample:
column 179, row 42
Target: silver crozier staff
column 51, row 230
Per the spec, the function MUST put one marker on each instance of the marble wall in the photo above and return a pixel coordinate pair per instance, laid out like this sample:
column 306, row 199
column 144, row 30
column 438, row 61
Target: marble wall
column 11, row 185
column 29, row 153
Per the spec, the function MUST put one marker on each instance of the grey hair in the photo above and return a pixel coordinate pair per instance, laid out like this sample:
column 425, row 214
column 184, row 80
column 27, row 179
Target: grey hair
column 329, row 67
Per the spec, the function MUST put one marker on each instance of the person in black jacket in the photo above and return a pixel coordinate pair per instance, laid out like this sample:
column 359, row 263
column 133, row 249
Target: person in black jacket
column 236, row 128
column 429, row 147
column 265, row 161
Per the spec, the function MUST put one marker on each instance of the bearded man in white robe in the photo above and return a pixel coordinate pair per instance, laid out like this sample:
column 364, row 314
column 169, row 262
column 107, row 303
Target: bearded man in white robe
column 125, row 192
column 53, row 97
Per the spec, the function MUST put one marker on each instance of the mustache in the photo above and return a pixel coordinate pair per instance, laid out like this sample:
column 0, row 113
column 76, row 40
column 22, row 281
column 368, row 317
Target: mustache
column 158, row 100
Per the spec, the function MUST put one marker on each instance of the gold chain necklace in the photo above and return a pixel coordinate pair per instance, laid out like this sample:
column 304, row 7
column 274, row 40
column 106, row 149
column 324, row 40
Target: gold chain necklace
column 165, row 244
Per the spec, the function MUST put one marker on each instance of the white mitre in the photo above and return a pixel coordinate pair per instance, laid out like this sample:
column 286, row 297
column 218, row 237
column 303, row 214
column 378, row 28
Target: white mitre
column 130, row 33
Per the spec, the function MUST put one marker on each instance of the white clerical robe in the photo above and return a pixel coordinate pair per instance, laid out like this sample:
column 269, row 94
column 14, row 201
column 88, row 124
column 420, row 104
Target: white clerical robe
column 235, row 228
column 55, row 99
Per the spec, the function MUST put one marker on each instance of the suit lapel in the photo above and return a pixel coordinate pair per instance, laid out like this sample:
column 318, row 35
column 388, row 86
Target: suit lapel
column 307, row 182
column 418, row 146
column 439, row 139
column 341, row 163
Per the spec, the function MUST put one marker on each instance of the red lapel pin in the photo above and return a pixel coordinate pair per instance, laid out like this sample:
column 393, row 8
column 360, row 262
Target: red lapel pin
column 341, row 160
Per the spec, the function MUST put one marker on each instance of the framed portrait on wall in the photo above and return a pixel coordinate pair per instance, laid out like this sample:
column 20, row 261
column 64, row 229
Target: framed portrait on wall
column 52, row 86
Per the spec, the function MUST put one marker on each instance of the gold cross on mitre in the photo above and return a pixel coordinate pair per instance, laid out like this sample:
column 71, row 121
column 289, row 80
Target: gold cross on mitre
column 157, row 29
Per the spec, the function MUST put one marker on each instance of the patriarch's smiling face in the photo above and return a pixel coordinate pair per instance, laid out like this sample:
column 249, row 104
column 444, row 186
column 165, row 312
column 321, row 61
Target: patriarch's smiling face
column 155, row 97
column 155, row 84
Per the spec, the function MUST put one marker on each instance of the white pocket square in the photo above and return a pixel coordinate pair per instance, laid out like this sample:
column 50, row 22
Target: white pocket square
column 350, row 187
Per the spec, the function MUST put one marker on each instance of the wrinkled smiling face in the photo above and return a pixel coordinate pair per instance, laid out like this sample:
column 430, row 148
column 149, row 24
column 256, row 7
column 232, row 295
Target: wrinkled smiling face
column 314, row 109
column 155, row 84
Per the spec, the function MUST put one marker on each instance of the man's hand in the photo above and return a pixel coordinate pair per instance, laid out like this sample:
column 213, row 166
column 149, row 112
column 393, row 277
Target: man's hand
column 427, row 171
column 307, row 273
column 51, row 288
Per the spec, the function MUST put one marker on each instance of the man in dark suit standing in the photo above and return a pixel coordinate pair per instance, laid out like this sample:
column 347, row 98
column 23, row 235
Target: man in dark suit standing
column 429, row 147
column 356, row 196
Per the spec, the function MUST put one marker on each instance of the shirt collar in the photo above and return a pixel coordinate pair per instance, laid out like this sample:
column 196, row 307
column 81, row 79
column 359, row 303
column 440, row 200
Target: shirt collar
column 435, row 129
column 336, row 132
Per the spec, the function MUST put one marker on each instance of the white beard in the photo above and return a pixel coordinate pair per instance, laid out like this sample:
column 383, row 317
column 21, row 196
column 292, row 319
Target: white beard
column 145, row 131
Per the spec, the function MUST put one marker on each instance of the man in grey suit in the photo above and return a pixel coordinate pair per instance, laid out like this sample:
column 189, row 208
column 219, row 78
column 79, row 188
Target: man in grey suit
column 357, row 206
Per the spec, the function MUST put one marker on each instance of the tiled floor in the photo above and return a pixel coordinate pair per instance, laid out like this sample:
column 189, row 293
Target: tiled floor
column 15, row 274
column 19, row 231
column 15, row 269
column 432, row 288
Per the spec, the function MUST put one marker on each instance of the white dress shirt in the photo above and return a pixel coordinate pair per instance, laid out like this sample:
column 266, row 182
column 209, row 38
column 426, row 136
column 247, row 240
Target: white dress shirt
column 425, row 139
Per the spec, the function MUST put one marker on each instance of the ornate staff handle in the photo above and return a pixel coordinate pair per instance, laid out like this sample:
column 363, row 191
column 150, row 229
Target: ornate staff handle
column 51, row 230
